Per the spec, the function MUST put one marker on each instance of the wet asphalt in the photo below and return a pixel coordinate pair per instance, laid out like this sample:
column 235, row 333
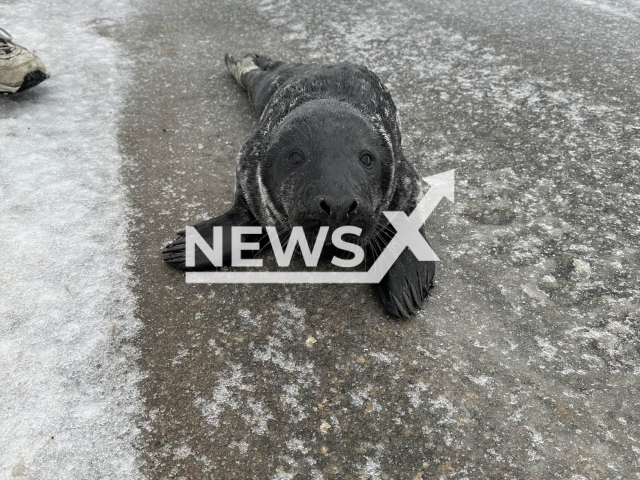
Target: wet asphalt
column 524, row 363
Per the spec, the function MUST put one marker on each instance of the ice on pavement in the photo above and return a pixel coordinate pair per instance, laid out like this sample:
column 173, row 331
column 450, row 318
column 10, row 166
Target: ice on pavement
column 67, row 383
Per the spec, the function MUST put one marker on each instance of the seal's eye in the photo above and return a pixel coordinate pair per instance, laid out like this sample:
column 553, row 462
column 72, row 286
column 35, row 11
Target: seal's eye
column 367, row 160
column 295, row 159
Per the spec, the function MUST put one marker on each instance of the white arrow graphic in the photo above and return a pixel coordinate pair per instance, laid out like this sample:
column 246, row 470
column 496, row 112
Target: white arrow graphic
column 441, row 185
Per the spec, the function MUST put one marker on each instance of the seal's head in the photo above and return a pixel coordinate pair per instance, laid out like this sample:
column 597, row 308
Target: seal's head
column 327, row 164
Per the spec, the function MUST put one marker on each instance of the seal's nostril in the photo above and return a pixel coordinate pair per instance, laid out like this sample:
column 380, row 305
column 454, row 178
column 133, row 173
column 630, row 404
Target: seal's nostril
column 353, row 207
column 325, row 207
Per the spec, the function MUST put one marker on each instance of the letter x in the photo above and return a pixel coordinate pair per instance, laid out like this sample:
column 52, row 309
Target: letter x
column 408, row 234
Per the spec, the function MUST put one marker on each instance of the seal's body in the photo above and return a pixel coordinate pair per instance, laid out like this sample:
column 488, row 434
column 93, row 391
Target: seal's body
column 327, row 151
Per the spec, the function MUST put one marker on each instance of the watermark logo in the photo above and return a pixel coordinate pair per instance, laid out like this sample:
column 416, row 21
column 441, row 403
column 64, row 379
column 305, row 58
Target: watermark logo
column 407, row 235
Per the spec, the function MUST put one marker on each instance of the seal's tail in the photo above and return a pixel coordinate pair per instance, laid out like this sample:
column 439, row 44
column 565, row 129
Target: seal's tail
column 250, row 62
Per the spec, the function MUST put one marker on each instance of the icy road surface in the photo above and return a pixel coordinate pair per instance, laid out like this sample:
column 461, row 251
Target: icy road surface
column 525, row 362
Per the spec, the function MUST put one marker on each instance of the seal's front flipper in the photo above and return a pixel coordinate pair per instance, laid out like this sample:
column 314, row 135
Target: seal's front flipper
column 406, row 285
column 239, row 215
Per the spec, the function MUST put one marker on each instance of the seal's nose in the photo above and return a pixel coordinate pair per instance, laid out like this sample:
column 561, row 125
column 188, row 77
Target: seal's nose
column 338, row 209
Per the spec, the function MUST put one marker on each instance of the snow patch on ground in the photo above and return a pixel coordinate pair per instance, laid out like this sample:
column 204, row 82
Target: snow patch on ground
column 67, row 380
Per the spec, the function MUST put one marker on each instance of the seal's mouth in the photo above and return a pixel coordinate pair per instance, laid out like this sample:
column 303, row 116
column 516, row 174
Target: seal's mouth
column 312, row 232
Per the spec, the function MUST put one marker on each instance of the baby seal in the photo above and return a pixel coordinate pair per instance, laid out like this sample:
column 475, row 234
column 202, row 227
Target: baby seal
column 326, row 152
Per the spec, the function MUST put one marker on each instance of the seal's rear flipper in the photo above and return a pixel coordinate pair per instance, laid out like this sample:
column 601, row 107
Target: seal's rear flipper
column 251, row 61
column 239, row 67
column 239, row 215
